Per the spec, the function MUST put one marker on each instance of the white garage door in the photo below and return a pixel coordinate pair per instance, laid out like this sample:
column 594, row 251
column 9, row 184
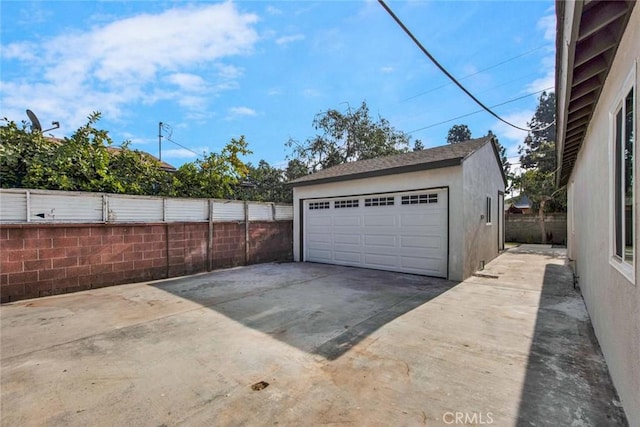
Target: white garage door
column 405, row 232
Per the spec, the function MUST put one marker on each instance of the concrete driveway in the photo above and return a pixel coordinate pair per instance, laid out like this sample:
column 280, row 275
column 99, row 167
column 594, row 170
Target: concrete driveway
column 308, row 344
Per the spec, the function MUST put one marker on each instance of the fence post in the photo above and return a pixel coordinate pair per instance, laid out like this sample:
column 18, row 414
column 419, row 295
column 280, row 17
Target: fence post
column 28, row 197
column 210, row 239
column 246, row 232
column 105, row 208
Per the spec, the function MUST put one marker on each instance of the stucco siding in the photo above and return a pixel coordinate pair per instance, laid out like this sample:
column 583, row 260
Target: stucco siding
column 450, row 177
column 613, row 301
column 482, row 179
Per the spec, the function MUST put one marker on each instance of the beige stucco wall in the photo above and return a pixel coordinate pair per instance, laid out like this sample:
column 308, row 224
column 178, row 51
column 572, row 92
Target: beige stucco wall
column 481, row 179
column 445, row 177
column 613, row 301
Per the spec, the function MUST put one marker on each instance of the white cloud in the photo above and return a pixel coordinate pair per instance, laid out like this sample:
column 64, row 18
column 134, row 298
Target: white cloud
column 229, row 72
column 285, row 40
column 543, row 83
column 311, row 93
column 512, row 135
column 548, row 25
column 275, row 91
column 111, row 67
column 187, row 81
column 178, row 153
column 387, row 70
column 272, row 10
column 241, row 112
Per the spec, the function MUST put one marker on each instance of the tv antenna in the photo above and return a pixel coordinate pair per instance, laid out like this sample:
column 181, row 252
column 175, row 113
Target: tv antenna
column 35, row 123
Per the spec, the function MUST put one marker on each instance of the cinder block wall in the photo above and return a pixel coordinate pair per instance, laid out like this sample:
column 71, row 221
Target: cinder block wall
column 522, row 228
column 48, row 259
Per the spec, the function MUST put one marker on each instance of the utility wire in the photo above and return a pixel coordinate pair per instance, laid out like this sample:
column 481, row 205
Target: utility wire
column 480, row 111
column 444, row 70
column 476, row 73
column 182, row 146
column 169, row 129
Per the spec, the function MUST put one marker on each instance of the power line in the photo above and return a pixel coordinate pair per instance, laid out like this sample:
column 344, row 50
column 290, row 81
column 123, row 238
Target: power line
column 444, row 70
column 476, row 73
column 479, row 111
column 168, row 128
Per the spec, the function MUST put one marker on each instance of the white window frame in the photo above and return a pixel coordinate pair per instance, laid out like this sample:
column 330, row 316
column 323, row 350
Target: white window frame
column 624, row 267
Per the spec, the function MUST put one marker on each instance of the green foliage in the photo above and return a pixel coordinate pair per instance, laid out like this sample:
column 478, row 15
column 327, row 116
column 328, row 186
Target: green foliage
column 268, row 184
column 216, row 175
column 418, row 145
column 295, row 169
column 458, row 133
column 506, row 166
column 19, row 150
column 538, row 159
column 347, row 137
column 87, row 161
column 539, row 149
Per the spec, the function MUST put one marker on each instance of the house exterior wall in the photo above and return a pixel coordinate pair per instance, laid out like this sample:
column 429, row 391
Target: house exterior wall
column 450, row 177
column 613, row 300
column 479, row 182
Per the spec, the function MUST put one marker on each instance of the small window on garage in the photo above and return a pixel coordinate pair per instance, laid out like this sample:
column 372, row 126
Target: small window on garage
column 488, row 210
column 419, row 199
column 319, row 205
column 379, row 201
column 346, row 203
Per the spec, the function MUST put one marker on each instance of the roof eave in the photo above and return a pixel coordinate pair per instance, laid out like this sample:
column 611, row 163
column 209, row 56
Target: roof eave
column 380, row 172
column 588, row 36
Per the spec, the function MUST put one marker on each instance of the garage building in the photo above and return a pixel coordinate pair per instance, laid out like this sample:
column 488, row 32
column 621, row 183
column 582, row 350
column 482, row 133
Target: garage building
column 436, row 212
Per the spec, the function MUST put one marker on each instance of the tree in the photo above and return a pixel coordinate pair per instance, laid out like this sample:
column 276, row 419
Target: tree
column 418, row 145
column 502, row 152
column 269, row 185
column 87, row 161
column 539, row 150
column 458, row 133
column 347, row 137
column 216, row 175
column 19, row 149
column 538, row 159
column 295, row 169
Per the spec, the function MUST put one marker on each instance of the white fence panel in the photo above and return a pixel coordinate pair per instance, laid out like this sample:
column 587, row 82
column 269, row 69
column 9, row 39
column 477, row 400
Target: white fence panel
column 13, row 207
column 187, row 210
column 228, row 210
column 49, row 206
column 65, row 207
column 135, row 209
column 260, row 212
column 283, row 213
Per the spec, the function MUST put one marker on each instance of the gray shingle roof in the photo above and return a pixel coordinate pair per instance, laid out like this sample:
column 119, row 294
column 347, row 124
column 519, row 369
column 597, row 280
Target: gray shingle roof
column 430, row 158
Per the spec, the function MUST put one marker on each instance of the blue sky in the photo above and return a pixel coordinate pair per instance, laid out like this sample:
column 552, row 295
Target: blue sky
column 214, row 71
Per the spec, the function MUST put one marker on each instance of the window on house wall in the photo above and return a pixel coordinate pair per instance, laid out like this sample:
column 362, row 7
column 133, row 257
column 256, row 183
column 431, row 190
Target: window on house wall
column 624, row 151
column 488, row 210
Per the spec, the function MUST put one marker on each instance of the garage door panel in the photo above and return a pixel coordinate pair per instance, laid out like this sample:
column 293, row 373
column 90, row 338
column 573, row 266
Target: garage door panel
column 353, row 239
column 406, row 237
column 388, row 240
column 433, row 219
column 381, row 260
column 319, row 238
column 321, row 255
column 379, row 220
column 347, row 221
column 319, row 220
column 348, row 257
column 422, row 242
